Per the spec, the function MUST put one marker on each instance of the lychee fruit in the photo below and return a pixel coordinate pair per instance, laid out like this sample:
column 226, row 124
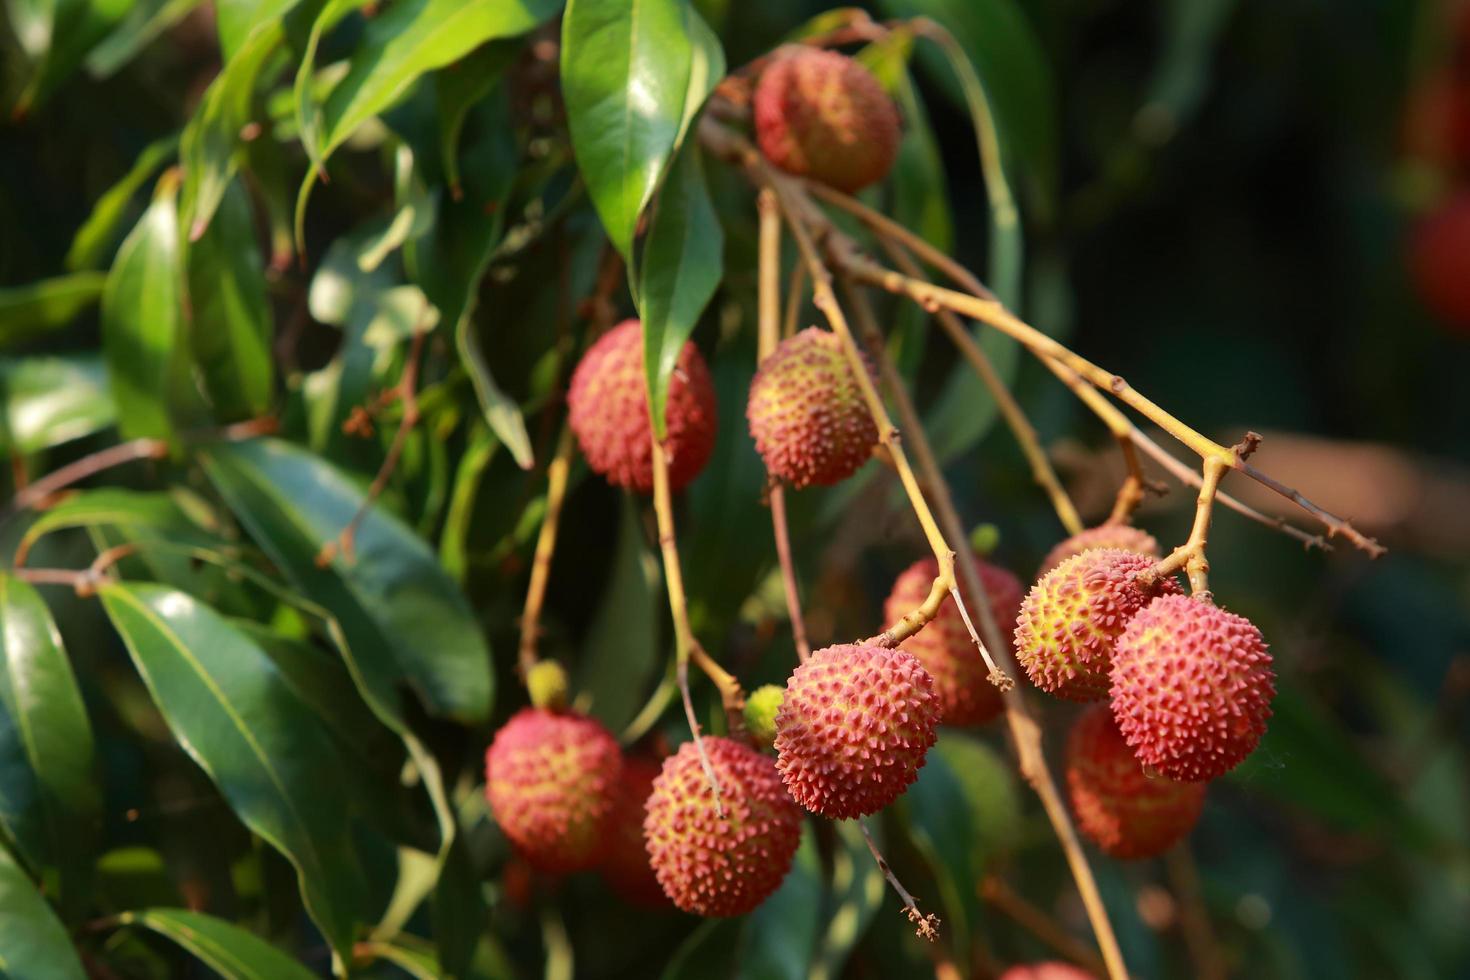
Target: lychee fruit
column 1437, row 121
column 807, row 414
column 822, row 115
column 607, row 408
column 944, row 647
column 1119, row 808
column 1049, row 970
column 853, row 729
column 1124, row 537
column 760, row 712
column 1071, row 618
column 550, row 780
column 625, row 865
column 1191, row 686
column 1439, row 261
column 712, row 865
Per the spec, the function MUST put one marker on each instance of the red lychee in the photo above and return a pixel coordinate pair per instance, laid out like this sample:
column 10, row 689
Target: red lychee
column 807, row 413
column 1123, row 537
column 1050, row 970
column 607, row 408
column 853, row 729
column 717, row 866
column 1439, row 261
column 1071, row 618
column 549, row 779
column 1120, row 809
column 1192, row 688
column 1437, row 121
column 820, row 114
column 625, row 864
column 944, row 646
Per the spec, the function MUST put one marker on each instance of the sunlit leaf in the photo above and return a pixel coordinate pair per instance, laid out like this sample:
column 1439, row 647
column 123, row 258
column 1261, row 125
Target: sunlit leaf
column 34, row 310
column 33, row 943
column 52, row 400
column 227, row 949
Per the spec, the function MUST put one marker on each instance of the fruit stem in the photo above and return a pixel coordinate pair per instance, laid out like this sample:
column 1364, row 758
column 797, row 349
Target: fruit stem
column 925, row 926
column 1194, row 918
column 998, row 893
column 557, row 472
column 1190, row 556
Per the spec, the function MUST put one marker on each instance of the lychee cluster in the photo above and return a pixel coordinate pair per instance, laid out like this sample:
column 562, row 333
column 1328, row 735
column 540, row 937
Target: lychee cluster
column 607, row 408
column 820, row 114
column 807, row 414
column 853, row 728
column 944, row 646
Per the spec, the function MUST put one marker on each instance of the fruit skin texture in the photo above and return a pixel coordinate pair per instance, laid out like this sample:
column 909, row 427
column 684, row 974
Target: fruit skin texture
column 1072, row 617
column 944, row 647
column 1051, row 970
column 1192, row 688
column 807, row 414
column 607, row 407
column 1439, row 262
column 1120, row 809
column 550, row 780
column 1123, row 537
column 822, row 115
column 711, row 866
column 853, row 729
column 625, row 865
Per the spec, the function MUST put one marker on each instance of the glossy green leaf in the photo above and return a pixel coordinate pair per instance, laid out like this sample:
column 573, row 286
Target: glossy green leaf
column 117, row 507
column 683, row 262
column 52, row 400
column 457, row 88
column 95, row 238
column 417, row 962
column 49, row 803
column 57, row 35
column 230, row 327
column 230, row 951
column 231, row 709
column 634, row 74
column 34, row 310
column 33, row 942
column 404, row 618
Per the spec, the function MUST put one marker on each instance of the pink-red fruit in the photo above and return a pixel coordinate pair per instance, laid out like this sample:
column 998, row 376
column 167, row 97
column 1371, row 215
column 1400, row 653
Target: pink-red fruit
column 550, row 780
column 807, row 414
column 607, row 407
column 712, row 865
column 1123, row 537
column 853, row 729
column 1439, row 261
column 625, row 864
column 944, row 647
column 1050, row 970
column 1192, row 688
column 1118, row 807
column 819, row 114
column 1071, row 618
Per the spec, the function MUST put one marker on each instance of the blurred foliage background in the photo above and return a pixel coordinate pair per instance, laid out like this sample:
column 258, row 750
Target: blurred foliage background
column 1218, row 198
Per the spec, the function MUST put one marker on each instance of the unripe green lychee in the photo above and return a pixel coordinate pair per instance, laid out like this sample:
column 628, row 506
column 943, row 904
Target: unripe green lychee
column 822, row 115
column 944, row 646
column 625, row 864
column 807, row 413
column 1118, row 807
column 1071, row 618
column 1192, row 686
column 1049, row 970
column 760, row 712
column 550, row 779
column 607, row 408
column 853, row 729
column 546, row 683
column 1123, row 537
column 712, row 865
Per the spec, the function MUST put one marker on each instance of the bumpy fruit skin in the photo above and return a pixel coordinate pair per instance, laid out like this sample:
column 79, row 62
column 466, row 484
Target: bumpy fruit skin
column 1072, row 617
column 1128, row 814
column 550, row 780
column 712, row 866
column 1439, row 261
column 853, row 729
column 807, row 414
column 1050, row 970
column 820, row 114
column 625, row 864
column 607, row 403
column 944, row 647
column 1123, row 537
column 1192, row 688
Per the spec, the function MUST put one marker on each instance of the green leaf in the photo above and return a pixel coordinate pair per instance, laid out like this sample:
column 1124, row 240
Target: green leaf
column 404, row 619
column 457, row 88
column 683, row 263
column 857, row 892
column 144, row 23
column 454, row 539
column 90, row 245
column 34, row 310
column 116, row 507
column 634, row 74
column 227, row 949
column 230, row 708
column 49, row 803
column 33, row 942
column 143, row 323
column 230, row 326
column 52, row 400
column 57, row 34
column 781, row 935
column 966, row 410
